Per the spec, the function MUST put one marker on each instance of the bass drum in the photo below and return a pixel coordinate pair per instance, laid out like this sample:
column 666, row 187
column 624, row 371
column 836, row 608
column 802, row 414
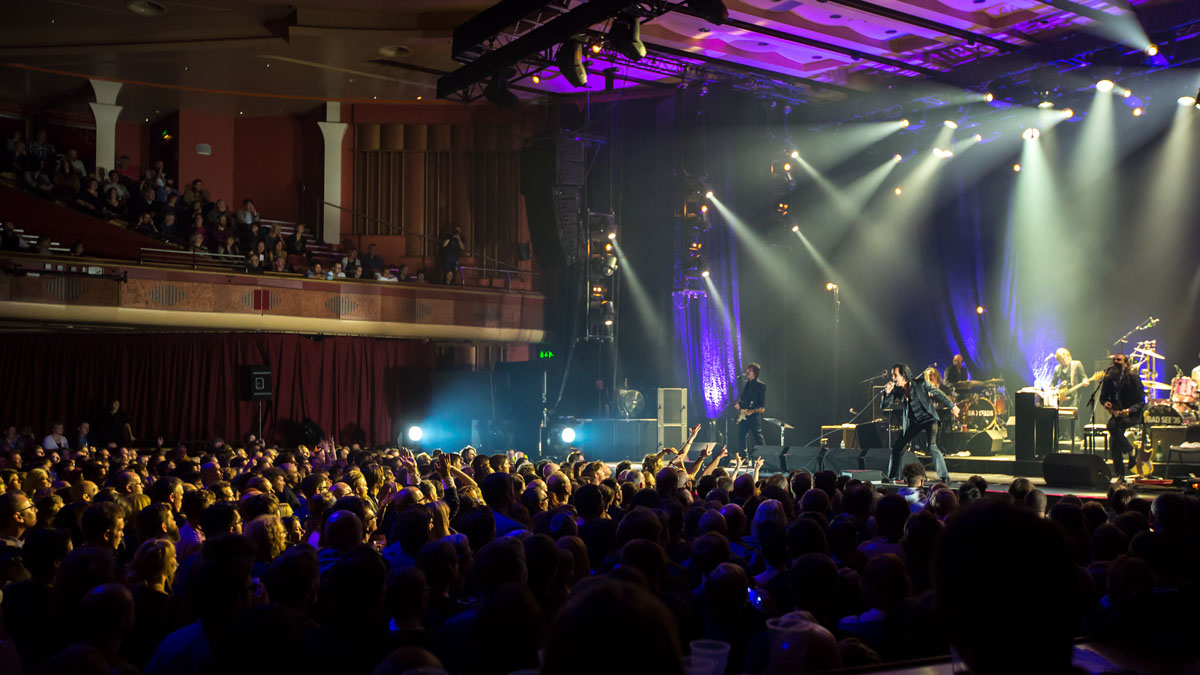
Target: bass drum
column 1161, row 414
column 979, row 414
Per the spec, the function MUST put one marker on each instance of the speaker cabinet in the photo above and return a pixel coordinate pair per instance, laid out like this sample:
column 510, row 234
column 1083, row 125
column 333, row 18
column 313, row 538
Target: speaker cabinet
column 1061, row 469
column 785, row 459
column 672, row 417
column 870, row 459
column 256, row 383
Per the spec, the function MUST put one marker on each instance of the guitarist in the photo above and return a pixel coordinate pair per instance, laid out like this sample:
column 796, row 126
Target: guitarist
column 750, row 406
column 915, row 398
column 1122, row 394
column 1069, row 378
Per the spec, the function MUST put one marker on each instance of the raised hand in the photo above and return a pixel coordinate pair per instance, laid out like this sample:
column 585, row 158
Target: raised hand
column 759, row 461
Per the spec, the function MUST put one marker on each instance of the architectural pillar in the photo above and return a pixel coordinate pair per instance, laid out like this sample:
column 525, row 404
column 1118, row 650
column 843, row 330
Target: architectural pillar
column 334, row 131
column 106, row 112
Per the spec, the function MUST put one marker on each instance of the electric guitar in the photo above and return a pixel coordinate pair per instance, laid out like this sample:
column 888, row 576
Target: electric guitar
column 744, row 413
column 1067, row 390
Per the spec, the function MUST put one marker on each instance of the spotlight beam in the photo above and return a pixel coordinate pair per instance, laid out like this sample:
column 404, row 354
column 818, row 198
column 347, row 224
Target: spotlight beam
column 642, row 303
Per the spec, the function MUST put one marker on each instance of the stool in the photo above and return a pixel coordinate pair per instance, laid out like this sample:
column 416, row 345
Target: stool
column 1090, row 433
column 1181, row 451
column 1071, row 414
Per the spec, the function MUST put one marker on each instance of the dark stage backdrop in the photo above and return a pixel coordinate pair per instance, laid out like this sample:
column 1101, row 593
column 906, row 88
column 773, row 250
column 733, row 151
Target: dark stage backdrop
column 188, row 386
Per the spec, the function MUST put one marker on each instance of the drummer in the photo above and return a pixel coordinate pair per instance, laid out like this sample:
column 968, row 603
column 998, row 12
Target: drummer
column 956, row 372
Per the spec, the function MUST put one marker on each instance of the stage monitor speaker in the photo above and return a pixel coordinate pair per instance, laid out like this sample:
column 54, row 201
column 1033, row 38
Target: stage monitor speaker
column 1061, row 469
column 256, row 383
column 865, row 475
column 872, row 435
column 785, row 458
column 876, row 459
column 985, row 443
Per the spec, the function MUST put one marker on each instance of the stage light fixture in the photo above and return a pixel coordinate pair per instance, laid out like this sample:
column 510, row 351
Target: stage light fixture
column 795, row 154
column 829, row 286
column 569, row 61
column 1031, row 134
column 704, row 274
column 415, row 434
column 980, row 310
column 787, row 167
column 612, row 235
column 950, row 124
column 712, row 11
column 989, row 97
column 1105, row 86
column 904, row 124
column 1046, row 105
column 1068, row 114
column 897, row 157
column 708, row 195
column 1016, row 168
column 626, row 37
column 1137, row 112
column 898, row 192
column 567, row 435
column 497, row 92
column 795, row 228
column 1151, row 49
column 704, row 208
column 1126, row 93
column 1187, row 100
column 596, row 48
column 537, row 80
column 978, row 138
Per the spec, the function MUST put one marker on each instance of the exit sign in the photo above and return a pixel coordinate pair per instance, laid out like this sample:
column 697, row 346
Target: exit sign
column 545, row 354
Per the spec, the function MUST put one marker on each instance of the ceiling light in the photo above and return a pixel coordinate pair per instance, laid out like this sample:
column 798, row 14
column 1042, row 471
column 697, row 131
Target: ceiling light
column 1030, row 134
column 1187, row 100
column 897, row 192
column 1105, row 86
column 1046, row 105
column 1126, row 93
column 569, row 61
column 146, row 8
column 1016, row 168
column 950, row 124
column 1137, row 112
column 1151, row 49
column 712, row 11
column 626, row 37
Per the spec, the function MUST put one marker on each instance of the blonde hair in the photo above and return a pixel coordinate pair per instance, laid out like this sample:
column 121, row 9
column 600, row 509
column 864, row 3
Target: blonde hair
column 1063, row 353
column 931, row 374
column 268, row 534
column 440, row 511
column 151, row 560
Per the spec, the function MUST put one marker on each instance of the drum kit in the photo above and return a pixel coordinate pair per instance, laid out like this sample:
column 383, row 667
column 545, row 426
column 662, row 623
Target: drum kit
column 983, row 404
column 1175, row 408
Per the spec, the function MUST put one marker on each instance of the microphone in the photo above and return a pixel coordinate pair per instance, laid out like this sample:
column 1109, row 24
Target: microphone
column 1051, row 356
column 853, row 411
column 1150, row 323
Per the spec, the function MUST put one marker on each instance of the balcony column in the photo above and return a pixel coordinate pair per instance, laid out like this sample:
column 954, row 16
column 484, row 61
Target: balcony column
column 334, row 131
column 106, row 112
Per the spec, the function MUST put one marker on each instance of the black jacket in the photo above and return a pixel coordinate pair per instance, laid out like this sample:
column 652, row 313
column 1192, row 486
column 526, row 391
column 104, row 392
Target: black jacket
column 924, row 394
column 754, row 395
column 1125, row 392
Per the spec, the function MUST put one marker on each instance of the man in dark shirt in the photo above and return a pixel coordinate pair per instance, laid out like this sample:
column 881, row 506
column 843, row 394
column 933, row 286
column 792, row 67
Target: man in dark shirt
column 750, row 406
column 452, row 248
column 370, row 262
column 956, row 372
column 1122, row 394
column 915, row 398
column 114, row 425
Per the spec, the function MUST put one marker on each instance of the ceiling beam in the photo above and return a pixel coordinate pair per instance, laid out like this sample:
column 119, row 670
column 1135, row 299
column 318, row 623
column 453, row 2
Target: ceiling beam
column 817, row 44
column 539, row 39
column 754, row 70
column 928, row 24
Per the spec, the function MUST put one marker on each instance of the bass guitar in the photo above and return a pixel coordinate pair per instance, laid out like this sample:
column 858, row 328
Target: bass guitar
column 1068, row 390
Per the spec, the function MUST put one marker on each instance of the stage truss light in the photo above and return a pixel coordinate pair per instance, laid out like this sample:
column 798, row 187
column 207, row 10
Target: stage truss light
column 980, row 310
column 536, row 79
column 415, row 434
column 978, row 138
column 708, row 195
column 626, row 37
column 787, row 167
column 1068, row 114
column 898, row 191
column 1151, row 49
column 1046, row 105
column 1126, row 93
column 950, row 124
column 1105, row 86
column 497, row 92
column 704, row 274
column 989, row 97
column 1031, row 134
column 795, row 228
column 1187, row 100
column 829, row 286
column 897, row 157
column 795, row 154
column 569, row 61
column 1138, row 112
column 567, row 435
column 904, row 124
column 1016, row 168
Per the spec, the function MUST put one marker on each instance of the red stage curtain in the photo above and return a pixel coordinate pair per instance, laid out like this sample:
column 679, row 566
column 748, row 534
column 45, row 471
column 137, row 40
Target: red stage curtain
column 188, row 386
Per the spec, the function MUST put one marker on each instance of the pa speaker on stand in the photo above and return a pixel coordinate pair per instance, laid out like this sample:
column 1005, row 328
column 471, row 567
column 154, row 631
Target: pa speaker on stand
column 256, row 387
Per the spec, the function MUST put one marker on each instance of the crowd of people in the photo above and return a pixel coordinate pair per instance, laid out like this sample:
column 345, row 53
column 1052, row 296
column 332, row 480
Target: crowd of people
column 248, row 557
column 193, row 220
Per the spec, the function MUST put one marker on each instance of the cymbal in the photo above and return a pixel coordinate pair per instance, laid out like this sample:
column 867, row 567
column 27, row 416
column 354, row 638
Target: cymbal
column 994, row 380
column 1149, row 353
column 1155, row 385
column 968, row 384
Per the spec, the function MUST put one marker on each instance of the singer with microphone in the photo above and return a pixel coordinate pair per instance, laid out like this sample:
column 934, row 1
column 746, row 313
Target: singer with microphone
column 915, row 397
column 1122, row 394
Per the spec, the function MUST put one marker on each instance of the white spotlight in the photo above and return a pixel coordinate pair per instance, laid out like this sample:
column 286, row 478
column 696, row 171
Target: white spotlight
column 1126, row 93
column 1016, row 168
column 704, row 274
column 1187, row 100
column 1068, row 114
column 1151, row 49
column 1105, row 86
column 939, row 153
column 795, row 228
column 903, row 124
column 708, row 195
column 612, row 235
column 989, row 97
column 1046, row 105
column 415, row 433
column 567, row 435
column 795, row 154
column 950, row 124
column 1031, row 134
column 897, row 158
column 978, row 138
column 1138, row 112
column 898, row 192
column 787, row 167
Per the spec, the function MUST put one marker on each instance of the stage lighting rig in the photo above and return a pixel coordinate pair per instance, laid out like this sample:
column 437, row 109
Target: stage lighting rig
column 626, row 37
column 497, row 92
column 602, row 266
column 569, row 61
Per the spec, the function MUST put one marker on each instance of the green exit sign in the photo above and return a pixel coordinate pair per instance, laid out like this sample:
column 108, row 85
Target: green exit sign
column 545, row 354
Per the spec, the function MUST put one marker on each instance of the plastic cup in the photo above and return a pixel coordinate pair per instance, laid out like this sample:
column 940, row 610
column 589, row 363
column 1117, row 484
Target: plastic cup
column 716, row 650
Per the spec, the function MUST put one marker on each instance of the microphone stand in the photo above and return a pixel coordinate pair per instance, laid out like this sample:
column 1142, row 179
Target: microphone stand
column 1092, row 404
